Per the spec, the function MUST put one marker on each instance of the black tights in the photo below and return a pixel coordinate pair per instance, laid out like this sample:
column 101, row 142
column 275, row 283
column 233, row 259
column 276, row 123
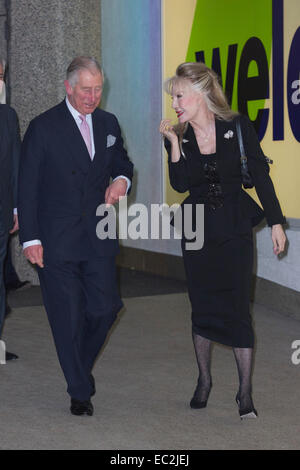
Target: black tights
column 243, row 357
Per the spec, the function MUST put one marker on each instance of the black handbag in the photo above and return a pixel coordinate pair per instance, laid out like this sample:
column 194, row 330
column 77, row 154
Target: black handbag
column 246, row 176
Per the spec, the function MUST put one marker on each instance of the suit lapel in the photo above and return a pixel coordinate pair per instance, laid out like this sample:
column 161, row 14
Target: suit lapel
column 192, row 144
column 73, row 138
column 225, row 144
column 99, row 132
column 3, row 125
column 225, row 135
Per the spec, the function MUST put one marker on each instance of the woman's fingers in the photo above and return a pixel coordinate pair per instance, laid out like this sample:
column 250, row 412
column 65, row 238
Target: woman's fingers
column 279, row 239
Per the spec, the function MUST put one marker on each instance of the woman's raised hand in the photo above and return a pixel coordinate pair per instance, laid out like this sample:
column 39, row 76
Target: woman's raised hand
column 167, row 130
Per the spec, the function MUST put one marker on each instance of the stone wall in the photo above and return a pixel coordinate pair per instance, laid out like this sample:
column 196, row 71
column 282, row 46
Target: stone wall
column 3, row 45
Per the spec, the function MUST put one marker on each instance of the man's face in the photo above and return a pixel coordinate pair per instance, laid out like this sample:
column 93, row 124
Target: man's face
column 85, row 95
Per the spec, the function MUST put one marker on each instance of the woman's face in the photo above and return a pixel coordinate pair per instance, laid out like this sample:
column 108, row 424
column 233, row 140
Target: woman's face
column 186, row 102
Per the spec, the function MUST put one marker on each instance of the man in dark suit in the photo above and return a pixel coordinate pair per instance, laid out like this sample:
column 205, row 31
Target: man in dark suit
column 69, row 154
column 9, row 163
column 11, row 279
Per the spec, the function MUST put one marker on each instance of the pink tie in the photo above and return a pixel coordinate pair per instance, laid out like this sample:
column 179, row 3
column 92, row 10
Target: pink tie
column 85, row 132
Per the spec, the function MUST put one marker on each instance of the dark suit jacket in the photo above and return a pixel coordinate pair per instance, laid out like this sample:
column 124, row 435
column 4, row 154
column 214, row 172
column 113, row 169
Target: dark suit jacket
column 60, row 187
column 229, row 168
column 9, row 163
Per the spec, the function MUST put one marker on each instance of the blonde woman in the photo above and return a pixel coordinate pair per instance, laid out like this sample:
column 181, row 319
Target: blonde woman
column 204, row 159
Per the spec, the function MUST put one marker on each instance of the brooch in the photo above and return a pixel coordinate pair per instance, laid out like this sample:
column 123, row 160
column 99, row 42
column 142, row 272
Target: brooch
column 228, row 135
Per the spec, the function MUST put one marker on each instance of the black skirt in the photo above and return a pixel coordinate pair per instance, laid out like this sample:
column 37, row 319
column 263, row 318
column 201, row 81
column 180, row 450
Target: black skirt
column 219, row 276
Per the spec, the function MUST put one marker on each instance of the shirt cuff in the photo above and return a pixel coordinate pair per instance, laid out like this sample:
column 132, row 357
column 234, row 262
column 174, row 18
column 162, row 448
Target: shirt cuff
column 15, row 211
column 31, row 243
column 127, row 180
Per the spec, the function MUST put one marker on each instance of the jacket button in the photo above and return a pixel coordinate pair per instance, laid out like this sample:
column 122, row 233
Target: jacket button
column 73, row 172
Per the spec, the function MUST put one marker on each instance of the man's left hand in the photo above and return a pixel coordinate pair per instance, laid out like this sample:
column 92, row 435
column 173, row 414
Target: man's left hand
column 16, row 224
column 116, row 190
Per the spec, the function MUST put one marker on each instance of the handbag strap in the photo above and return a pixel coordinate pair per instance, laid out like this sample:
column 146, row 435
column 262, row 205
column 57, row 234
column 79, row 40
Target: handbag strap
column 246, row 176
column 241, row 143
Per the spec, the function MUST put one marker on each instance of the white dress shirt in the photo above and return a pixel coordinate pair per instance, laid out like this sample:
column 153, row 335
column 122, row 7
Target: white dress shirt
column 2, row 92
column 78, row 121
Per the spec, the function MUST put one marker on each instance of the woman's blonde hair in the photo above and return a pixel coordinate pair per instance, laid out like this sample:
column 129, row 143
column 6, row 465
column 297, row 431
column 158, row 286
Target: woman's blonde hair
column 204, row 80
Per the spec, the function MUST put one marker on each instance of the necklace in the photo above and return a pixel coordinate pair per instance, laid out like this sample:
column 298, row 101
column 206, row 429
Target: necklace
column 206, row 135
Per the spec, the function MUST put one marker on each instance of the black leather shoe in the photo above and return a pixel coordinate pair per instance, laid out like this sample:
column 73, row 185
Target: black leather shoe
column 196, row 402
column 80, row 408
column 246, row 413
column 10, row 356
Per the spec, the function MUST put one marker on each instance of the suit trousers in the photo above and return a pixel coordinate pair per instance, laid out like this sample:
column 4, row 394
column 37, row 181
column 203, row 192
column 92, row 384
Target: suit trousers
column 3, row 250
column 82, row 301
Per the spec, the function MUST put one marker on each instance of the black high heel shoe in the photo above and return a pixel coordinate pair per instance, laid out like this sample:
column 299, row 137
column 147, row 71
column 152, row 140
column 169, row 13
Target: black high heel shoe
column 196, row 403
column 246, row 413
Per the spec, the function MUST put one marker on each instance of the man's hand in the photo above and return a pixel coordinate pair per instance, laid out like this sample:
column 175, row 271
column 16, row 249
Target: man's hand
column 16, row 224
column 34, row 254
column 115, row 190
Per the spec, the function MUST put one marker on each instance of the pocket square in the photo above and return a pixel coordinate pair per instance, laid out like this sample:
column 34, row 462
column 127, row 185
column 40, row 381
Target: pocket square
column 110, row 140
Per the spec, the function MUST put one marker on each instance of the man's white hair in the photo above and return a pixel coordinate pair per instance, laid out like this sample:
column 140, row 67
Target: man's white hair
column 82, row 63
